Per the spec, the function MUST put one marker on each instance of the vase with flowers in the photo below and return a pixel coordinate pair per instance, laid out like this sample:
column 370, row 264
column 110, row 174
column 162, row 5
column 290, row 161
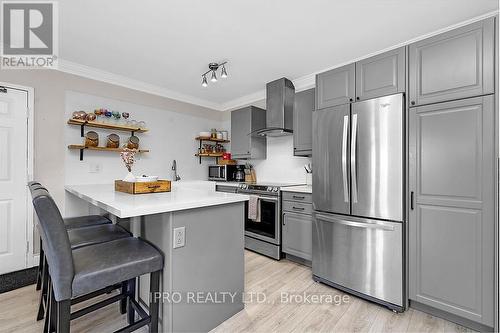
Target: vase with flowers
column 128, row 157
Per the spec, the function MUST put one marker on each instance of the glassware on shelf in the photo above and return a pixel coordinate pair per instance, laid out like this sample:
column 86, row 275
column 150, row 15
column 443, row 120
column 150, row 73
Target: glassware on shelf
column 125, row 116
column 141, row 124
column 116, row 117
column 108, row 114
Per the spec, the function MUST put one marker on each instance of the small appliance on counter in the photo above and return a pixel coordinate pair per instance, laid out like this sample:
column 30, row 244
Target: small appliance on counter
column 239, row 173
column 224, row 173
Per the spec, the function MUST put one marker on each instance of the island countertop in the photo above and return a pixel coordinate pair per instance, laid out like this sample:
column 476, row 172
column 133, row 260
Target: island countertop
column 123, row 205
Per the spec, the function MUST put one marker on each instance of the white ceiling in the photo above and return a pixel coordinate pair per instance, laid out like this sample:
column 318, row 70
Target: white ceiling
column 166, row 45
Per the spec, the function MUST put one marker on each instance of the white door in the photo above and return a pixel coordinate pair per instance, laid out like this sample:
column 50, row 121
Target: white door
column 13, row 179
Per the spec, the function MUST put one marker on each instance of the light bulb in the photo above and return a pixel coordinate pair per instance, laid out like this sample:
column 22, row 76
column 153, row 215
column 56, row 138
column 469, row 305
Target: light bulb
column 223, row 73
column 214, row 77
column 204, row 82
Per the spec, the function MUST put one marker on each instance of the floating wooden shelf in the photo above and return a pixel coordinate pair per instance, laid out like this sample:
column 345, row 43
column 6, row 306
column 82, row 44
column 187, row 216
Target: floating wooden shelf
column 96, row 124
column 209, row 155
column 209, row 139
column 117, row 150
column 201, row 138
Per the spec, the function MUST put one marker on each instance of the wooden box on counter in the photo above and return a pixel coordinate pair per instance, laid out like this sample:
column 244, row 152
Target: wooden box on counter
column 143, row 187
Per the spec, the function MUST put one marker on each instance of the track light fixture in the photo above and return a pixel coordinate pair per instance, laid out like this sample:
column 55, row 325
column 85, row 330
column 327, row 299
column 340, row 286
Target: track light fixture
column 213, row 67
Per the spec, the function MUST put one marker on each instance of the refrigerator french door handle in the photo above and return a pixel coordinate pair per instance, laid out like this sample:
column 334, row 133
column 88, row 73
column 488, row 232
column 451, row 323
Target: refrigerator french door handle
column 344, row 158
column 356, row 224
column 354, row 130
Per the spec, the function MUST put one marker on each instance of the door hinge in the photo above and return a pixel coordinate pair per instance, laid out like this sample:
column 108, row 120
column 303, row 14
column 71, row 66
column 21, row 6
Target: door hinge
column 27, row 247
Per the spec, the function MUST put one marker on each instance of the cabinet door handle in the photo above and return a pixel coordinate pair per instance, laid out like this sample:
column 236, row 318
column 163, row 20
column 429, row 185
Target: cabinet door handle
column 299, row 197
column 412, row 200
column 357, row 98
column 298, row 208
column 412, row 102
column 350, row 99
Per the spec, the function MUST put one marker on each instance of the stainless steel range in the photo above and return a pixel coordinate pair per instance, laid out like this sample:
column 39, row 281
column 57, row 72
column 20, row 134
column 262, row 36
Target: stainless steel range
column 264, row 236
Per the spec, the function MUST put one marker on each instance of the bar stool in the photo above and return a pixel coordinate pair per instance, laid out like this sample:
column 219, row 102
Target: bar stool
column 82, row 231
column 87, row 271
column 71, row 223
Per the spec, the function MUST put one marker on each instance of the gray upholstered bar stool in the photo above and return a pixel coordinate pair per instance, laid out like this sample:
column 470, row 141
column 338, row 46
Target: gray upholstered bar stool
column 83, row 272
column 82, row 231
column 71, row 223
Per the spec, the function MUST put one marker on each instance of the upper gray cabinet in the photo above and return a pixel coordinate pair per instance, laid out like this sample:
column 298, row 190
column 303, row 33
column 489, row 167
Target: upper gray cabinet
column 302, row 123
column 453, row 65
column 245, row 143
column 380, row 75
column 335, row 87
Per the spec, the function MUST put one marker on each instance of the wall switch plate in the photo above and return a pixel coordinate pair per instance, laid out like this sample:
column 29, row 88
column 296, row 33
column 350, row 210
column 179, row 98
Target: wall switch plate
column 179, row 237
column 94, row 168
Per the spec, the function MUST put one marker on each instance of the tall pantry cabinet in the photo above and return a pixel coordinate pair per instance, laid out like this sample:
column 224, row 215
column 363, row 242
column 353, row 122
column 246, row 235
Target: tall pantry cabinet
column 452, row 174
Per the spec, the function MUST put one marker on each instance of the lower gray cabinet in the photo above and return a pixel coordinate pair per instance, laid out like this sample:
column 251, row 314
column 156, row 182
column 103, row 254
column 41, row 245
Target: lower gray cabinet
column 452, row 219
column 297, row 235
column 302, row 123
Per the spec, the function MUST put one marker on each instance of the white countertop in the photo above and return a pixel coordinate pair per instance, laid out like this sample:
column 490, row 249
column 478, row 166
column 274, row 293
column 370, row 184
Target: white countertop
column 299, row 189
column 184, row 195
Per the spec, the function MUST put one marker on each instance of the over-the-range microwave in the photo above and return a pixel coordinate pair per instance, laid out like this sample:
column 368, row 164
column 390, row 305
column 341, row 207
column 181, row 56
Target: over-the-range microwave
column 223, row 173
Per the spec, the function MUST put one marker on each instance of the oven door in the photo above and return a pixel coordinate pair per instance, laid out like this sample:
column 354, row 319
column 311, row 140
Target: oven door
column 268, row 229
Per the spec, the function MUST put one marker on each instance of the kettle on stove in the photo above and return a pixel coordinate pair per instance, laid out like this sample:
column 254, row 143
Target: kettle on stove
column 239, row 174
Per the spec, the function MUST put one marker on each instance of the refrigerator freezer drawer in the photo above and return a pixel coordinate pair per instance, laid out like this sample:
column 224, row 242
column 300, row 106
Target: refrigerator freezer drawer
column 360, row 254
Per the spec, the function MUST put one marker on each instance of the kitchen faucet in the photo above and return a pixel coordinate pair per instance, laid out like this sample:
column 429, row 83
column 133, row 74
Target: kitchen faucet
column 174, row 168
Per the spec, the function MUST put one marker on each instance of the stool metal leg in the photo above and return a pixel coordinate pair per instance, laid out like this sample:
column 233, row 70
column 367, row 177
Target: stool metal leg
column 123, row 302
column 43, row 293
column 154, row 287
column 53, row 312
column 131, row 295
column 40, row 268
column 46, row 323
column 63, row 316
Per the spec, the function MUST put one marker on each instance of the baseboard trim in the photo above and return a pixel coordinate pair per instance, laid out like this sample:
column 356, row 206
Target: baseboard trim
column 18, row 279
column 450, row 317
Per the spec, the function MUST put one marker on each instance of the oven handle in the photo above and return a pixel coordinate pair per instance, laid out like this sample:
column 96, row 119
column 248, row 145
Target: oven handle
column 260, row 196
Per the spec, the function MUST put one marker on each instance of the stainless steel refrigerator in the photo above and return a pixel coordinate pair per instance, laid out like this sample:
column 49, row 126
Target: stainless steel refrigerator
column 358, row 183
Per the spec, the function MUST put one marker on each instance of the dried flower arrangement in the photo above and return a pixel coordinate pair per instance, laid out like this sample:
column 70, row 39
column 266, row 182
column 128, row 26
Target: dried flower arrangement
column 128, row 157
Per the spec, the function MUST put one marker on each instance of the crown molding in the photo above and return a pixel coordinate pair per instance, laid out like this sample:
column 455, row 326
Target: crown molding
column 309, row 81
column 301, row 83
column 123, row 81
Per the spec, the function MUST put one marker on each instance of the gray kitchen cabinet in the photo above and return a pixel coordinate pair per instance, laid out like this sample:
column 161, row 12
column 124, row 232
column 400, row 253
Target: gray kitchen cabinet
column 245, row 143
column 302, row 123
column 453, row 65
column 335, row 87
column 297, row 235
column 381, row 75
column 297, row 226
column 451, row 215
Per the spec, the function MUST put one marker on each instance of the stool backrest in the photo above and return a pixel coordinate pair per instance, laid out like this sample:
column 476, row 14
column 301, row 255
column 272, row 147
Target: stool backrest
column 55, row 242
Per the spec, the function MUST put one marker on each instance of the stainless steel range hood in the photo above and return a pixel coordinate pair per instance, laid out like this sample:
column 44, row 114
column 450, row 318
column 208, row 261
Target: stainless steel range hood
column 280, row 95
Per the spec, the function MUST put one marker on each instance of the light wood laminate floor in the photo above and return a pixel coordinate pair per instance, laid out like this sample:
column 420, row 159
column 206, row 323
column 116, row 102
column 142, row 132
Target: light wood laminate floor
column 277, row 280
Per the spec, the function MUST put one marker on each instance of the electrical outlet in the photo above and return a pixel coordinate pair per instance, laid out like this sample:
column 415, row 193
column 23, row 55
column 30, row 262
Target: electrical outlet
column 179, row 237
column 94, row 168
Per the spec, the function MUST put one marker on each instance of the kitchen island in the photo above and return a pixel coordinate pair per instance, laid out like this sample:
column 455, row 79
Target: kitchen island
column 203, row 280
